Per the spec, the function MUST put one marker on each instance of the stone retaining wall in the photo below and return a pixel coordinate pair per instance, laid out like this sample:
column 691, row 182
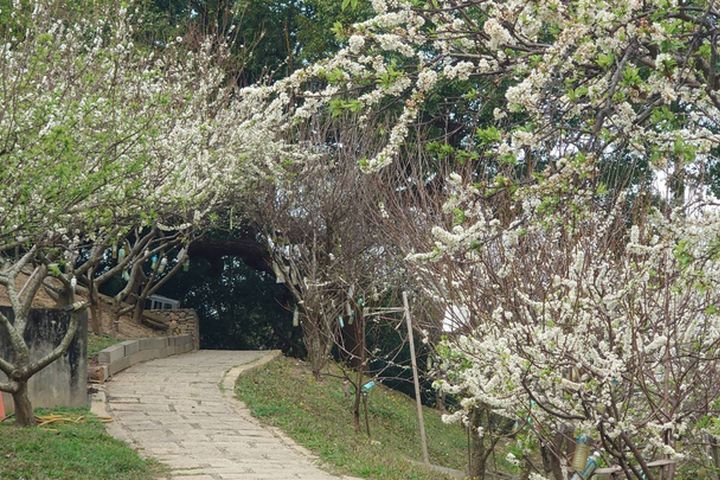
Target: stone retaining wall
column 180, row 321
column 118, row 357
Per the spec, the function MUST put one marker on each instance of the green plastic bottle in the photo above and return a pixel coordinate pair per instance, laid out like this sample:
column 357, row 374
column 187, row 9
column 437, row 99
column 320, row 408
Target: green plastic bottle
column 590, row 466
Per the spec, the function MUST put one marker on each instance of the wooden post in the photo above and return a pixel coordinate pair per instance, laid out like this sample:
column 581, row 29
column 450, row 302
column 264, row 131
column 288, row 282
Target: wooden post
column 418, row 402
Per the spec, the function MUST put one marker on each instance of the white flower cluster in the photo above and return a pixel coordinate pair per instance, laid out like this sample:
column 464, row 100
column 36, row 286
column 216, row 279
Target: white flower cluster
column 576, row 333
column 148, row 137
column 583, row 84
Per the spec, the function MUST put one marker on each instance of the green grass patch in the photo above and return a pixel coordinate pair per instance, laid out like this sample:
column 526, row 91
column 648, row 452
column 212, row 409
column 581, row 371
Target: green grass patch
column 69, row 452
column 96, row 343
column 318, row 416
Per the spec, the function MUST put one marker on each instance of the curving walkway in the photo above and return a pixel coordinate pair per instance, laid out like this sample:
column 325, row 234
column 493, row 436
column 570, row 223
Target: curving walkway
column 180, row 410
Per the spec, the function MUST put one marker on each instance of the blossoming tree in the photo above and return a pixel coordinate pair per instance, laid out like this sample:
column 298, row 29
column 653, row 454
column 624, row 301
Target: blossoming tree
column 588, row 330
column 100, row 138
column 586, row 88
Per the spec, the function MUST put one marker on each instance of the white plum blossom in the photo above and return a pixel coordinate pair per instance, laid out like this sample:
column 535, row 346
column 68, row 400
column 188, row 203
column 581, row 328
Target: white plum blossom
column 573, row 340
column 356, row 42
column 498, row 35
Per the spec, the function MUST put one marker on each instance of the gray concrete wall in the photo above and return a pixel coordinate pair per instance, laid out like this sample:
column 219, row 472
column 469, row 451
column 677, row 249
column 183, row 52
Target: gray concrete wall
column 117, row 358
column 63, row 382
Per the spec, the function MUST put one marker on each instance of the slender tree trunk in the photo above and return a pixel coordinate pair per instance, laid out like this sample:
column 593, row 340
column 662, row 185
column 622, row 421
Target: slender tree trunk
column 358, row 398
column 313, row 344
column 95, row 310
column 95, row 324
column 440, row 401
column 677, row 182
column 24, row 416
column 353, row 345
column 367, row 418
column 318, row 346
column 115, row 321
column 715, row 455
column 476, row 469
column 550, row 455
column 138, row 310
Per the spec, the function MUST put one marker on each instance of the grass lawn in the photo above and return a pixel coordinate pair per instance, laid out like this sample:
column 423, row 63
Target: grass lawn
column 97, row 343
column 71, row 452
column 318, row 416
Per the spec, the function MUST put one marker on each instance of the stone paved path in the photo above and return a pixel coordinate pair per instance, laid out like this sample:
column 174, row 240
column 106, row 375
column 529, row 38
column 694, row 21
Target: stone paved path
column 174, row 409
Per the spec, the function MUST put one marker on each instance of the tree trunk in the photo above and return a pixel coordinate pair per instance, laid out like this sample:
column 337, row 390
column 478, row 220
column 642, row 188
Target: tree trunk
column 367, row 418
column 352, row 344
column 715, row 455
column 138, row 310
column 117, row 306
column 440, row 401
column 316, row 346
column 550, row 456
column 356, row 404
column 95, row 311
column 676, row 183
column 24, row 416
column 476, row 469
column 315, row 353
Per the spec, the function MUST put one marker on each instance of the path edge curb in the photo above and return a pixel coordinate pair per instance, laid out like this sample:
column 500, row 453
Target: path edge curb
column 231, row 376
column 227, row 388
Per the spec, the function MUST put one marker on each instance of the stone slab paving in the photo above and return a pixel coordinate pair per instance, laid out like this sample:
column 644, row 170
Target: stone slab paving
column 180, row 411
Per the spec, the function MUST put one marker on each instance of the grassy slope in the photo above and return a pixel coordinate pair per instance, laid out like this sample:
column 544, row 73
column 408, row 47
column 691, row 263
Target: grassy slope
column 74, row 452
column 97, row 343
column 318, row 416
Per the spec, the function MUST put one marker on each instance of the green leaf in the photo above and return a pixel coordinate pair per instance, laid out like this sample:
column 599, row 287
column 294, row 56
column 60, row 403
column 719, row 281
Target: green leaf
column 631, row 76
column 458, row 216
column 488, row 135
column 54, row 270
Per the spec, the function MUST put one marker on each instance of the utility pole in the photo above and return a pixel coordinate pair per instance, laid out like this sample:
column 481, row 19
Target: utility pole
column 418, row 402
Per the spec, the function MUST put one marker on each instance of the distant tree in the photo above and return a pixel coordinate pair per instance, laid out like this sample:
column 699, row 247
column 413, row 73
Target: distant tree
column 267, row 38
column 240, row 308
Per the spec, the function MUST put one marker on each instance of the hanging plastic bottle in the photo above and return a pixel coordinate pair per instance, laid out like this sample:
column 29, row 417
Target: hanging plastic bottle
column 348, row 307
column 154, row 262
column 126, row 275
column 163, row 264
column 590, row 466
column 121, row 254
column 296, row 317
column 186, row 265
column 341, row 322
column 279, row 275
column 114, row 251
column 582, row 450
column 365, row 389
